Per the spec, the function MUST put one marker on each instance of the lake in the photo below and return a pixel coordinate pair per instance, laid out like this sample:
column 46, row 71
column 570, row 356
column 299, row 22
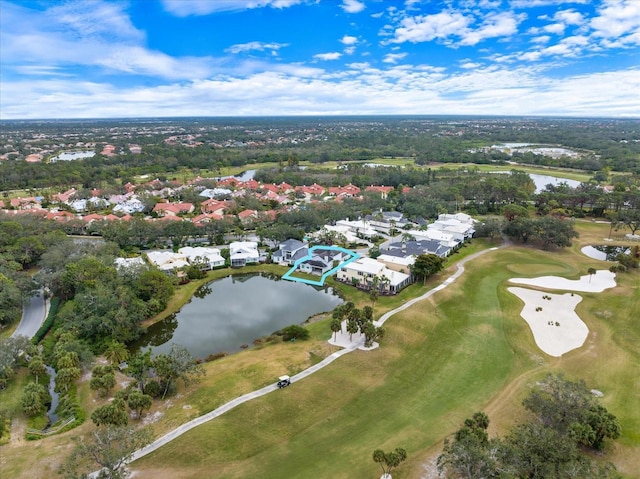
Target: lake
column 541, row 181
column 228, row 313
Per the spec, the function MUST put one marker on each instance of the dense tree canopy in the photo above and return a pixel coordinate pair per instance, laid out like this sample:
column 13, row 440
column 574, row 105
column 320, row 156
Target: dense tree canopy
column 568, row 418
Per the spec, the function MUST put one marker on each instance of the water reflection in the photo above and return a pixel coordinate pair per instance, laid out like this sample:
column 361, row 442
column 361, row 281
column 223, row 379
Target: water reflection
column 225, row 314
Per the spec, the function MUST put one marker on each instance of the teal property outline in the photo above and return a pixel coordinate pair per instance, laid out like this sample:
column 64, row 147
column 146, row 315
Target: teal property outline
column 287, row 275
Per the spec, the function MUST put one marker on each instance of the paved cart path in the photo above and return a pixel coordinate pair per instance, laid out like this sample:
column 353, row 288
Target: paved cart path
column 170, row 436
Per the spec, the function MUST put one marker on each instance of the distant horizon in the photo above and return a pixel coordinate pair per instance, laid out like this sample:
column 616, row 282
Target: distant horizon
column 337, row 117
column 78, row 59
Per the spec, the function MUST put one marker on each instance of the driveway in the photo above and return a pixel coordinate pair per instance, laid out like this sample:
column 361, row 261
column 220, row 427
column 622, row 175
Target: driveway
column 33, row 315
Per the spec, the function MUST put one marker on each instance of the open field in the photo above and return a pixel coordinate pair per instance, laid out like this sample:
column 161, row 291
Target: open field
column 464, row 349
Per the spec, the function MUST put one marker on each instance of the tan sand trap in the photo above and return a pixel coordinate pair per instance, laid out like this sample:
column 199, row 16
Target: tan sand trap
column 596, row 283
column 556, row 328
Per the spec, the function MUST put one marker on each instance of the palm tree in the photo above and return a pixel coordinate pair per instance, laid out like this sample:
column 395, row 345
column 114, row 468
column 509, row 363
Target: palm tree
column 591, row 272
column 373, row 295
column 116, row 353
column 352, row 327
column 336, row 326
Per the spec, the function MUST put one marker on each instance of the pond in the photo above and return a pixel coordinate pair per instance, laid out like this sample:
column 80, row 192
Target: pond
column 228, row 313
column 541, row 181
column 604, row 252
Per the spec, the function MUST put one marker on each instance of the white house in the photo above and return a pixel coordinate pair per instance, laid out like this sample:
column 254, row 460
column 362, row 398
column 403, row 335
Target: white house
column 243, row 253
column 206, row 258
column 361, row 227
column 167, row 260
column 402, row 264
column 367, row 272
column 459, row 230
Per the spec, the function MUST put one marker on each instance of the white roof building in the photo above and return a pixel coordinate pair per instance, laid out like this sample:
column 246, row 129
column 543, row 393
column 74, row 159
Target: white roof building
column 361, row 226
column 167, row 260
column 200, row 255
column 243, row 252
column 363, row 271
column 446, row 239
column 129, row 263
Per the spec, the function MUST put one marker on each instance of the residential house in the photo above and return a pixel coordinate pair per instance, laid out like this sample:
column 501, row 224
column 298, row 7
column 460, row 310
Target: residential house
column 243, row 253
column 213, row 206
column 64, row 197
column 128, row 264
column 383, row 190
column 247, row 216
column 416, row 248
column 309, row 191
column 385, row 221
column 403, row 264
column 203, row 257
column 369, row 273
column 216, row 192
column 459, row 231
column 359, row 227
column 126, row 204
column 315, row 265
column 28, row 203
column 347, row 191
column 289, row 251
column 167, row 261
column 173, row 209
column 446, row 239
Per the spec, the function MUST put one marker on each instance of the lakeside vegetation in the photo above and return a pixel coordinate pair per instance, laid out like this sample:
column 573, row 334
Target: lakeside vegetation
column 463, row 350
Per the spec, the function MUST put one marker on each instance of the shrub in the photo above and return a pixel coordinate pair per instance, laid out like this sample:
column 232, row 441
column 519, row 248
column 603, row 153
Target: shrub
column 153, row 389
column 294, row 332
column 46, row 325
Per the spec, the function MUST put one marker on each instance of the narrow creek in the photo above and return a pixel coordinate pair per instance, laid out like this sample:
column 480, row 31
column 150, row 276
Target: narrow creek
column 55, row 397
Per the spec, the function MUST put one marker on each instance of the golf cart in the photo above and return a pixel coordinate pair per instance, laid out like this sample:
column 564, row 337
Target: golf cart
column 284, row 381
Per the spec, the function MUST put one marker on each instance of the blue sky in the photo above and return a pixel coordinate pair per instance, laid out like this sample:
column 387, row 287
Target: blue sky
column 147, row 58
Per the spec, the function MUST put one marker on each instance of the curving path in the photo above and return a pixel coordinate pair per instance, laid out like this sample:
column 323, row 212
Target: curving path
column 303, row 374
column 33, row 315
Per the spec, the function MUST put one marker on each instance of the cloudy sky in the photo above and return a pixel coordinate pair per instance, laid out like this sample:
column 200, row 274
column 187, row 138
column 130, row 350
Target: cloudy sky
column 148, row 58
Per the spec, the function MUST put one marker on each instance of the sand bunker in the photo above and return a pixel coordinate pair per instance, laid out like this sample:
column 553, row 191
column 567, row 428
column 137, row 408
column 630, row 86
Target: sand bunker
column 556, row 327
column 596, row 283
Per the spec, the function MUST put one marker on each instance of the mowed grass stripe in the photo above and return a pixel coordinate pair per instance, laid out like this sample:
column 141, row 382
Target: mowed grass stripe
column 435, row 366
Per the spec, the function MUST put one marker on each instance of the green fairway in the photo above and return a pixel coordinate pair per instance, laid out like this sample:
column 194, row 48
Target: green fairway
column 463, row 350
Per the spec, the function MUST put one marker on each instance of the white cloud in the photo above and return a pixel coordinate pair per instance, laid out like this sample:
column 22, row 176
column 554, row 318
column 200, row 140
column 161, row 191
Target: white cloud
column 393, row 57
column 617, row 18
column 259, row 46
column 349, row 40
column 352, row 6
column 327, row 56
column 68, row 35
column 569, row 17
column 362, row 89
column 556, row 28
column 446, row 24
column 469, row 65
column 425, row 28
column 542, row 3
column 185, row 8
column 541, row 39
column 502, row 24
column 95, row 19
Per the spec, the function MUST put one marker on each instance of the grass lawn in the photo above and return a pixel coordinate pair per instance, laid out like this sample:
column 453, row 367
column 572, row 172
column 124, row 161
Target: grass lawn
column 465, row 349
